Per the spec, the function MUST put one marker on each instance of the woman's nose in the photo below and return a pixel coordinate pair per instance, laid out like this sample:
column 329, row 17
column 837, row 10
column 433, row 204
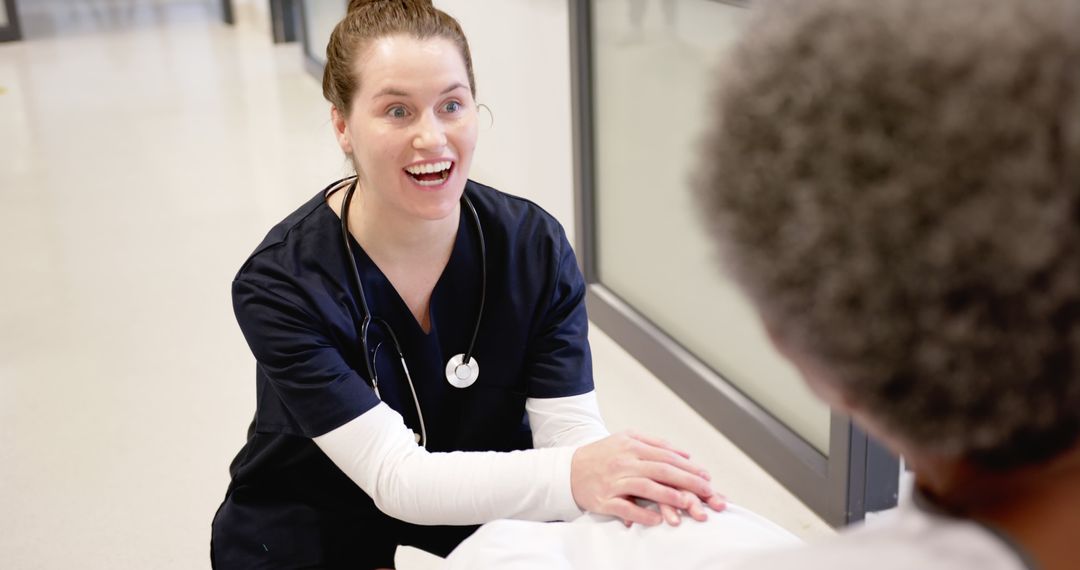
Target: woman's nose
column 431, row 133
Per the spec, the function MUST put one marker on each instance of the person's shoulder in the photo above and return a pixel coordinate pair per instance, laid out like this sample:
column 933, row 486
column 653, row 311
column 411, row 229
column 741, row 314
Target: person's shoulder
column 287, row 243
column 512, row 214
column 899, row 542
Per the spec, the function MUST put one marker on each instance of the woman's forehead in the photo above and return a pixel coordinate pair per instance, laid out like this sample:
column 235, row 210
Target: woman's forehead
column 410, row 65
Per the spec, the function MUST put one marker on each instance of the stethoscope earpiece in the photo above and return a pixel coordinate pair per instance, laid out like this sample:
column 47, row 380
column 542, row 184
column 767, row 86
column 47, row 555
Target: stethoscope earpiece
column 461, row 374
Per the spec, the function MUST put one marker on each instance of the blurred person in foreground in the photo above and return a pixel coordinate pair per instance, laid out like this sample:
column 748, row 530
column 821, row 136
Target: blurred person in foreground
column 896, row 186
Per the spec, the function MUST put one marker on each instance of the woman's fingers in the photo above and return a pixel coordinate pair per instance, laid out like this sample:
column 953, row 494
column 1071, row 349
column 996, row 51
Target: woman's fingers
column 629, row 512
column 673, row 476
column 671, row 515
column 606, row 476
column 697, row 510
column 659, row 455
column 657, row 442
column 716, row 502
column 645, row 488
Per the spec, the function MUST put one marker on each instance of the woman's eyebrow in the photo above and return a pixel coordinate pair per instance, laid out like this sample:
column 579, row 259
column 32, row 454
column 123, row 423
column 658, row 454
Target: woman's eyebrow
column 392, row 92
column 452, row 88
column 396, row 92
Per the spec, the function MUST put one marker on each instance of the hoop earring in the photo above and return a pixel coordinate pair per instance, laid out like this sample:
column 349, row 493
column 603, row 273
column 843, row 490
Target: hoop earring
column 491, row 115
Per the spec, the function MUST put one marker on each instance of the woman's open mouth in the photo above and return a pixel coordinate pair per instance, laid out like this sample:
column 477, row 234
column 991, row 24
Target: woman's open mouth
column 431, row 174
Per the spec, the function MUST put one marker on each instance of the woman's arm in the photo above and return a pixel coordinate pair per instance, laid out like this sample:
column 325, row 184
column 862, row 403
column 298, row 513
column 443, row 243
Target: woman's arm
column 378, row 452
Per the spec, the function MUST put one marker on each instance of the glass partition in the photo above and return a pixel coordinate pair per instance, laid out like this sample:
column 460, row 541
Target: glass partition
column 651, row 247
column 642, row 73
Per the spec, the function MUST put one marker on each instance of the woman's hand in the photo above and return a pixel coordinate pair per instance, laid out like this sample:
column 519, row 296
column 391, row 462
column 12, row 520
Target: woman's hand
column 606, row 477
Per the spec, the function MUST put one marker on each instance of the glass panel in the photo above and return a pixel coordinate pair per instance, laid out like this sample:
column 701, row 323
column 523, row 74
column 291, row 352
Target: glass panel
column 320, row 17
column 3, row 14
column 653, row 61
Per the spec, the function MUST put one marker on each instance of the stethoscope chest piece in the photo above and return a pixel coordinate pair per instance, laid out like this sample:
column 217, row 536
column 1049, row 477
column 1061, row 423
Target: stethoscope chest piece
column 462, row 375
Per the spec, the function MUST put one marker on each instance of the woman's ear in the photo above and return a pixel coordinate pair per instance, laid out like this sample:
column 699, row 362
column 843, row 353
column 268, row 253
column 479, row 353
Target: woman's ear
column 341, row 130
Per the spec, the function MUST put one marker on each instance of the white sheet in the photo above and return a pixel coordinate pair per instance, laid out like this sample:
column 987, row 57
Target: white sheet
column 594, row 542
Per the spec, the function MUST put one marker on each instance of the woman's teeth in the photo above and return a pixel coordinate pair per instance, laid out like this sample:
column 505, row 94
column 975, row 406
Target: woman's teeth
column 429, row 168
column 430, row 174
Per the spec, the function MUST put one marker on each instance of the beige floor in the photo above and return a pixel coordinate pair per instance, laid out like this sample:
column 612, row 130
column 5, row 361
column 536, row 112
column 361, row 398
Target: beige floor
column 144, row 150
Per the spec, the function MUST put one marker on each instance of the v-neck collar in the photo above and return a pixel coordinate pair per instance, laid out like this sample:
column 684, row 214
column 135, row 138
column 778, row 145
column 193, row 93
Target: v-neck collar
column 383, row 298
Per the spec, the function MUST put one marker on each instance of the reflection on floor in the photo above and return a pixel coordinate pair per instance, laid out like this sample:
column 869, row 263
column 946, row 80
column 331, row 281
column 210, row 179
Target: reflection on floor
column 145, row 149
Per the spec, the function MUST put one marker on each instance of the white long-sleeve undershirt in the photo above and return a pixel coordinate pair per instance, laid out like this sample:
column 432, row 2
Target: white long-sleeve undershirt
column 378, row 452
column 570, row 421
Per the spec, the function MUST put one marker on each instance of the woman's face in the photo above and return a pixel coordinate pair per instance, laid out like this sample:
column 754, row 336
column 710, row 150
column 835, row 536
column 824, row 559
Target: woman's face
column 412, row 128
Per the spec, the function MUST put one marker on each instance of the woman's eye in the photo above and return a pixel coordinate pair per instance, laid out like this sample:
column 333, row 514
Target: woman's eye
column 452, row 107
column 398, row 112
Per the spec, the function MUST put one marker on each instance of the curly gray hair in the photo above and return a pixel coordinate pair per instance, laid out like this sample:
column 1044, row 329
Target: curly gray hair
column 895, row 183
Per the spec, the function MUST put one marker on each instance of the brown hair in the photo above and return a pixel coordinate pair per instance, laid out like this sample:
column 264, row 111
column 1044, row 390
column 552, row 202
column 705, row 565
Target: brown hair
column 895, row 185
column 369, row 20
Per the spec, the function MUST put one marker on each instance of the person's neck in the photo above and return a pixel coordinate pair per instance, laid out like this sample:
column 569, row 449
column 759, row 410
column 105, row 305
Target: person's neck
column 387, row 234
column 1038, row 507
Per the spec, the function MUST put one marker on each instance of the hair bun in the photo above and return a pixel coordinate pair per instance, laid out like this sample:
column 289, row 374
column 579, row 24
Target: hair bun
column 360, row 4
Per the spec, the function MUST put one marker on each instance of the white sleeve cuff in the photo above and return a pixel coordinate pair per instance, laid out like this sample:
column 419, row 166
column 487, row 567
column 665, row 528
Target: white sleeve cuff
column 569, row 421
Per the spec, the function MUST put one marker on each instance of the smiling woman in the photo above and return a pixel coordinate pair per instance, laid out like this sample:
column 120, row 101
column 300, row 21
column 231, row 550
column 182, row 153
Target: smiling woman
column 411, row 112
column 368, row 310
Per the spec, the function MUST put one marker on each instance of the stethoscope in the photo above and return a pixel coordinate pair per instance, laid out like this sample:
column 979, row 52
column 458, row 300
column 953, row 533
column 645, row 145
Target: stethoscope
column 462, row 370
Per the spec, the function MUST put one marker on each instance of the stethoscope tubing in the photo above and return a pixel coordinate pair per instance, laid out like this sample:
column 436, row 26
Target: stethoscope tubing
column 483, row 275
column 367, row 318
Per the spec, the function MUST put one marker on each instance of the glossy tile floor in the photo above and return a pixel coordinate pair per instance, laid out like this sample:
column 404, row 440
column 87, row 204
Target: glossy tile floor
column 144, row 149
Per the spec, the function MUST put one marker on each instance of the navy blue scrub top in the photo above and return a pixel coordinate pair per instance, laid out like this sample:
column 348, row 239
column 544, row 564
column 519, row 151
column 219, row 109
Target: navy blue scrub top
column 295, row 301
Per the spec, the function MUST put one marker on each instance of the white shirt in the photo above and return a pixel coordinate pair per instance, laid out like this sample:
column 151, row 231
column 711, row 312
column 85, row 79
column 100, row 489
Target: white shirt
column 914, row 536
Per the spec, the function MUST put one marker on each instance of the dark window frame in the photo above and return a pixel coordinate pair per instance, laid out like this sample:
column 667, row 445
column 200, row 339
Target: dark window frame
column 12, row 32
column 284, row 20
column 312, row 64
